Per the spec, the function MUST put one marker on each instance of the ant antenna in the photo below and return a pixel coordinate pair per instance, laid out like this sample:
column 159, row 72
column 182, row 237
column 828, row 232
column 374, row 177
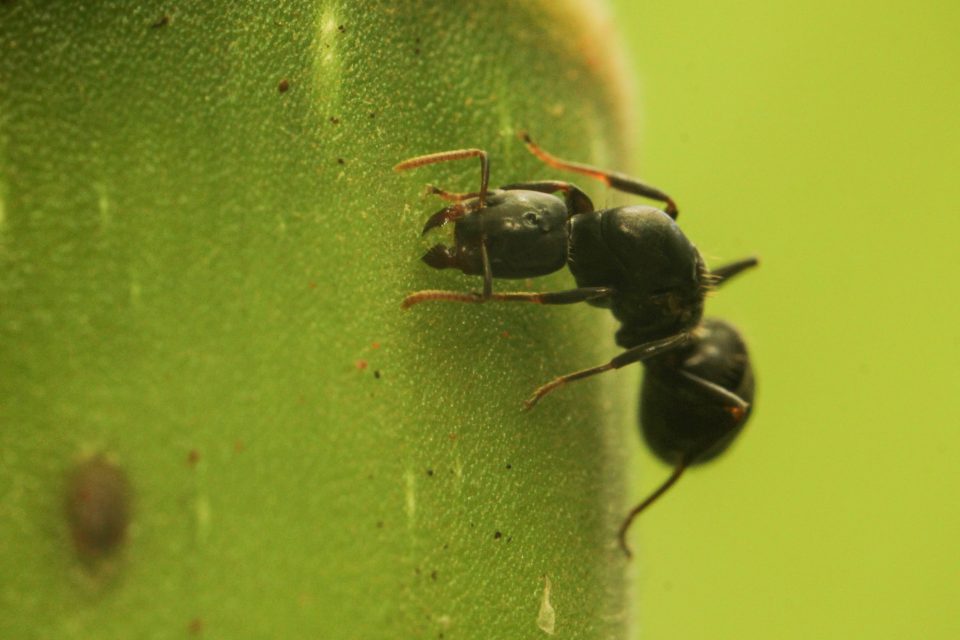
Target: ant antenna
column 662, row 489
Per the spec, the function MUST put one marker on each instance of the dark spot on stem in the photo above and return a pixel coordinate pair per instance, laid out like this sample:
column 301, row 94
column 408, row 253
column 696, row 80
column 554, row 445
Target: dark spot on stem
column 283, row 86
column 497, row 535
column 97, row 505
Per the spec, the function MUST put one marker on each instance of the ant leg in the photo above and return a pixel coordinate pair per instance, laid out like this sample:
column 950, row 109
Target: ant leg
column 457, row 296
column 487, row 271
column 577, row 201
column 569, row 296
column 735, row 405
column 639, row 353
column 619, row 181
column 446, row 156
column 720, row 275
column 662, row 489
column 450, row 196
column 451, row 214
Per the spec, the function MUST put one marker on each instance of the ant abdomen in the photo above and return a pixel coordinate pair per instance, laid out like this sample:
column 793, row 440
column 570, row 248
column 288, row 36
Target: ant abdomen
column 681, row 418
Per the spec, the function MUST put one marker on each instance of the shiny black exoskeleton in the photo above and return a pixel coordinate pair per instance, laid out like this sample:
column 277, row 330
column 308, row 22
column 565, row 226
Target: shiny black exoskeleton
column 633, row 260
column 696, row 398
column 698, row 388
column 680, row 420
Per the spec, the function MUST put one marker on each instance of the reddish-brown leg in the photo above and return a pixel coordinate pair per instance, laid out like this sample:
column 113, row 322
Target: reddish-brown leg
column 447, row 156
column 619, row 181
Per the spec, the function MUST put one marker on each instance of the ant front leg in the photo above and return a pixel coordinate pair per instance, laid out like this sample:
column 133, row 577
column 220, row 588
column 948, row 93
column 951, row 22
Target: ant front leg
column 447, row 156
column 452, row 213
column 639, row 353
column 619, row 181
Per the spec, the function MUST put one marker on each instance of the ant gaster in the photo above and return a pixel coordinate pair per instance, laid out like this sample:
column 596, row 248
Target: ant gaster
column 633, row 260
column 696, row 398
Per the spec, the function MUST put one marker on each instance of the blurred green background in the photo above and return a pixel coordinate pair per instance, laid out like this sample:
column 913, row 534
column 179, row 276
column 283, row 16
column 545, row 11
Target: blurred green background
column 823, row 137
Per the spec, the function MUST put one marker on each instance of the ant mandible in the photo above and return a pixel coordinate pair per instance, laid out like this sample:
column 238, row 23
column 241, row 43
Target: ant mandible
column 696, row 398
column 633, row 260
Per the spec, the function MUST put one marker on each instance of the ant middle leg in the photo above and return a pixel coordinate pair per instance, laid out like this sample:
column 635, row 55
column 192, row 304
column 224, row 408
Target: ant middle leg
column 619, row 181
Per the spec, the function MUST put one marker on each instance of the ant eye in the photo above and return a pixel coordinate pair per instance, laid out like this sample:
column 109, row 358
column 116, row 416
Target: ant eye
column 531, row 217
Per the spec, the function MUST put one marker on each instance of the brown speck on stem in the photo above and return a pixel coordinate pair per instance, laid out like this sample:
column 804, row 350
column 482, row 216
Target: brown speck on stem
column 283, row 85
column 161, row 22
column 193, row 457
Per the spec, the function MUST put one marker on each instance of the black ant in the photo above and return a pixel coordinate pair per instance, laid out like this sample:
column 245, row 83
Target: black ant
column 696, row 398
column 633, row 260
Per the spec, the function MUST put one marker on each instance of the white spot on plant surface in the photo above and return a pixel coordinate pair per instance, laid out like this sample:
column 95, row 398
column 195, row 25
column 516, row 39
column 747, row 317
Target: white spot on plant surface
column 547, row 617
column 329, row 33
column 410, row 495
column 328, row 30
column 202, row 512
column 3, row 209
column 103, row 204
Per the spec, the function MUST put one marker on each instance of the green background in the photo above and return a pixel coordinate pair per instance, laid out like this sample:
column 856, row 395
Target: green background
column 825, row 138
